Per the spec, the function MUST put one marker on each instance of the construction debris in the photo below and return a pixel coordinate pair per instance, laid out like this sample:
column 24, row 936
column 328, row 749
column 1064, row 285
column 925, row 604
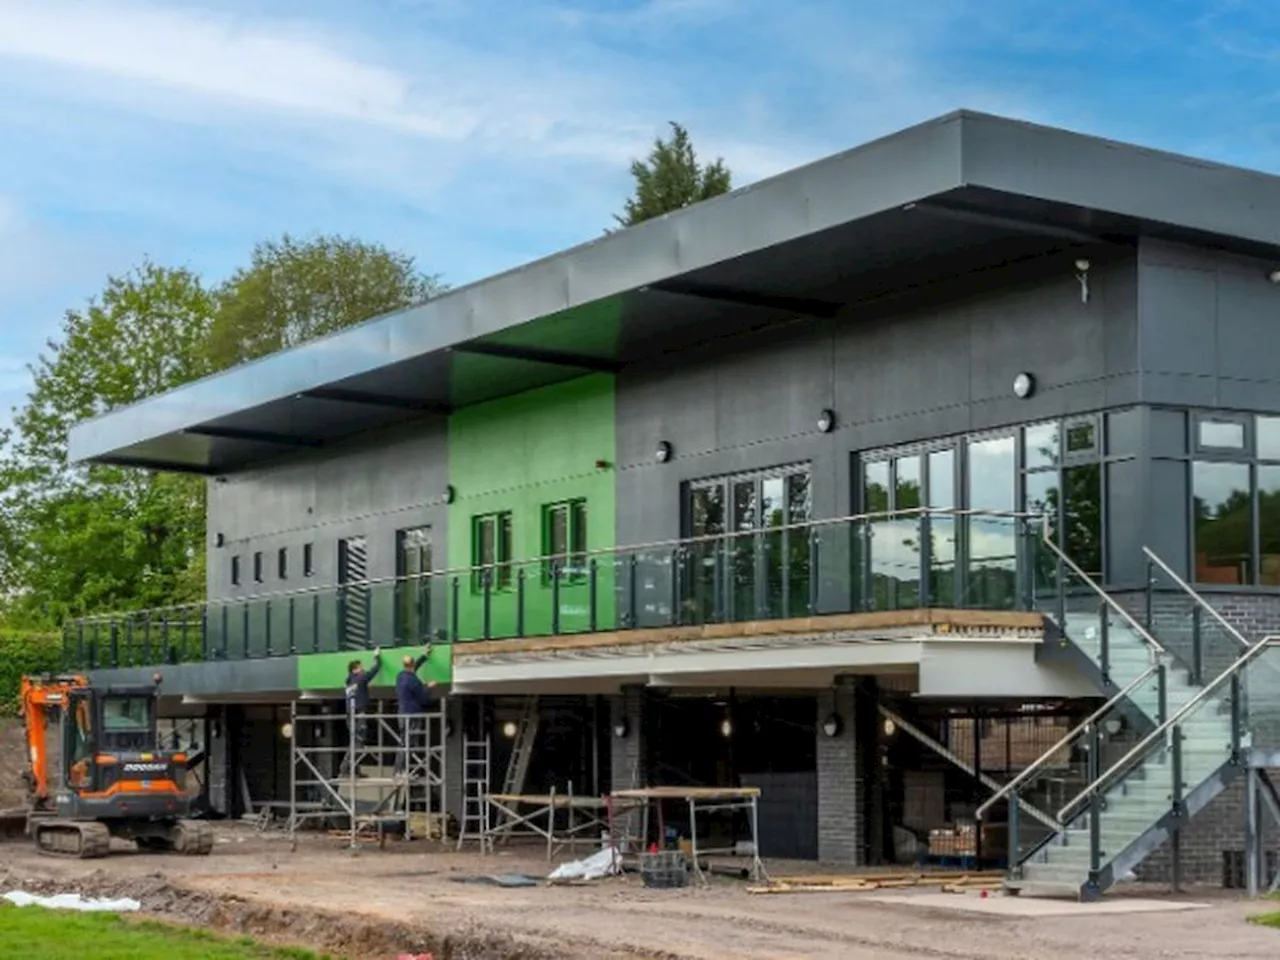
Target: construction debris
column 863, row 882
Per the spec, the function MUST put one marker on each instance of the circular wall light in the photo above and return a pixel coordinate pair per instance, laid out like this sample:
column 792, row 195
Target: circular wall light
column 832, row 726
column 621, row 729
column 663, row 452
column 1274, row 276
column 827, row 421
column 1024, row 384
column 890, row 728
column 726, row 727
column 509, row 729
column 286, row 731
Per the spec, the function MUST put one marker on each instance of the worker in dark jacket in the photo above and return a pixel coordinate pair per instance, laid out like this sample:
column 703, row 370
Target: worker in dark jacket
column 414, row 698
column 357, row 702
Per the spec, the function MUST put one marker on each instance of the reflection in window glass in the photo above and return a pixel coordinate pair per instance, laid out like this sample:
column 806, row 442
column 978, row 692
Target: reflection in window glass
column 1269, row 525
column 1081, row 437
column 875, row 487
column 1043, row 497
column 1223, row 522
column 1221, row 433
column 1040, row 446
column 942, row 528
column 901, row 536
column 1082, row 517
column 992, row 573
column 1267, row 437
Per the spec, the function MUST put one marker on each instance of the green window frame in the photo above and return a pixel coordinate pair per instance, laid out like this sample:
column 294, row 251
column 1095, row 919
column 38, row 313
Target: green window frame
column 491, row 550
column 564, row 540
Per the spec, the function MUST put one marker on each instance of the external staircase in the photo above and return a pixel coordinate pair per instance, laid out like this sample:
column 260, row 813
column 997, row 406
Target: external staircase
column 1176, row 729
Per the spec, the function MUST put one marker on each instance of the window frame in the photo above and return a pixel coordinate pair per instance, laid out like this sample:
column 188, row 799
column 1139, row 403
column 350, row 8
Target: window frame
column 502, row 566
column 235, row 570
column 576, row 528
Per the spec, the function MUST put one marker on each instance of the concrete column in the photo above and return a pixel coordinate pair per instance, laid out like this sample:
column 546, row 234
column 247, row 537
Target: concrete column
column 218, row 786
column 627, row 754
column 840, row 789
column 453, row 757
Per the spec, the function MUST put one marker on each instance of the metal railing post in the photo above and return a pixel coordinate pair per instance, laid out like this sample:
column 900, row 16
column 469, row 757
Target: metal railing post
column 1013, row 865
column 1178, row 810
column 1149, row 599
column 147, row 652
column 293, row 626
column 1062, row 594
column 555, row 597
column 166, row 648
column 1104, row 648
column 1095, row 807
column 486, row 603
column 592, row 599
column 520, row 579
column 1162, row 692
column 1237, row 718
column 633, row 572
column 128, row 641
column 315, row 623
column 1197, row 651
column 455, row 617
column 815, row 557
column 244, row 625
column 115, row 643
column 675, row 587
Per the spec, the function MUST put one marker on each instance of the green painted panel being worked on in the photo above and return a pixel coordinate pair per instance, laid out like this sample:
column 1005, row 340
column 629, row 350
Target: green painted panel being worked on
column 520, row 456
column 328, row 671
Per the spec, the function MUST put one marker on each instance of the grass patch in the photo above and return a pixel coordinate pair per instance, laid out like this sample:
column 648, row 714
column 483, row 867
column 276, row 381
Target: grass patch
column 35, row 933
column 1267, row 920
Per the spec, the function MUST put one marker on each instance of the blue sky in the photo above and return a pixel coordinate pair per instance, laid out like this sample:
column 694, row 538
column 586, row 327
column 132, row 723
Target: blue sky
column 478, row 134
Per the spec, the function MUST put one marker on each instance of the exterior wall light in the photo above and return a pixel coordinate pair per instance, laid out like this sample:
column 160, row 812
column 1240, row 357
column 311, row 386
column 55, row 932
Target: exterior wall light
column 449, row 493
column 1274, row 276
column 832, row 726
column 1024, row 384
column 1112, row 725
column 219, row 539
column 890, row 728
column 726, row 727
column 621, row 729
column 286, row 731
column 509, row 730
column 826, row 421
column 663, row 452
column 1082, row 274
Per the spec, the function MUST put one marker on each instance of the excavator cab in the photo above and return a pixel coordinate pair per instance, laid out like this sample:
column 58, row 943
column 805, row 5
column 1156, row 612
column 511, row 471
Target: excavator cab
column 109, row 744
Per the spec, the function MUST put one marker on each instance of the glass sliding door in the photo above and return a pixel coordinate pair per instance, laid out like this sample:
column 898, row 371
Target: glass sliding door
column 752, row 566
column 991, row 575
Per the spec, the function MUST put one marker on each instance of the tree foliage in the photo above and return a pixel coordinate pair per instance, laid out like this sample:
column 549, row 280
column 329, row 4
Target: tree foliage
column 293, row 291
column 76, row 539
column 671, row 179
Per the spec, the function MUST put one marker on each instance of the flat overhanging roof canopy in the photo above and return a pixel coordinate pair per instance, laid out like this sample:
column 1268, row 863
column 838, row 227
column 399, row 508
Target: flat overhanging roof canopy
column 940, row 200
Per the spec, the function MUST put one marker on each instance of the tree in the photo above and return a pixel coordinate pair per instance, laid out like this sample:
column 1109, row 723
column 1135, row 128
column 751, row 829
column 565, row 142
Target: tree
column 672, row 179
column 75, row 539
column 294, row 291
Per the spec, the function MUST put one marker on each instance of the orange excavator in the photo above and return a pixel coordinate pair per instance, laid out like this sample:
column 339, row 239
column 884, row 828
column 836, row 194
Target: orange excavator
column 110, row 778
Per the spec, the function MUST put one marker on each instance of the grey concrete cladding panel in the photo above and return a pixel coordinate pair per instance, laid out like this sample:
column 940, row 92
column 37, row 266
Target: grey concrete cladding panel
column 372, row 487
column 928, row 373
column 1203, row 315
column 206, row 679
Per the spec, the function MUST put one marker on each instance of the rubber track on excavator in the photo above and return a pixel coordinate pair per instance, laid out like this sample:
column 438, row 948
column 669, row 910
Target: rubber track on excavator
column 194, row 838
column 69, row 838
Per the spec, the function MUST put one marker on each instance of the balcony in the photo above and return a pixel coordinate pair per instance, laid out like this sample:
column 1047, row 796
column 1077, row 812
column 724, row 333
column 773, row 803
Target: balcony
column 907, row 560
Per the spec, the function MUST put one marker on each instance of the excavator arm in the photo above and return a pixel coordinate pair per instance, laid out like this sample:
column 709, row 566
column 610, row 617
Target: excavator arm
column 37, row 698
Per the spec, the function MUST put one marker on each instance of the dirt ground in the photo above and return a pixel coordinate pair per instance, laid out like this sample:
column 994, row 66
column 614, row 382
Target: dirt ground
column 375, row 904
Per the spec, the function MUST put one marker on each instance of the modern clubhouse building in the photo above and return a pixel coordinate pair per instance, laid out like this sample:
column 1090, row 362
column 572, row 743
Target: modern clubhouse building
column 943, row 469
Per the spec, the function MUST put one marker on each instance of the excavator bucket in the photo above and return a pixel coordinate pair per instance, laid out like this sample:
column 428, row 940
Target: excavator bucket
column 13, row 824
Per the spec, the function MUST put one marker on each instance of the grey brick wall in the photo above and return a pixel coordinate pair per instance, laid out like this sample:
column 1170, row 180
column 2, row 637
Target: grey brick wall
column 1220, row 826
column 840, row 793
column 453, row 757
column 627, row 754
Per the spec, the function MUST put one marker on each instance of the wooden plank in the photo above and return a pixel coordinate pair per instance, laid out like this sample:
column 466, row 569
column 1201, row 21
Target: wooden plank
column 688, row 793
column 929, row 620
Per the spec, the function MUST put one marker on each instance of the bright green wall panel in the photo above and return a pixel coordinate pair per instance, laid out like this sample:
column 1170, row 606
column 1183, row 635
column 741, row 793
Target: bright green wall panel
column 521, row 454
column 328, row 671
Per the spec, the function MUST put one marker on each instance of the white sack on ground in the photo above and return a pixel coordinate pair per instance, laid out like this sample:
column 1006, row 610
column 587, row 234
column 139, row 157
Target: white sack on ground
column 602, row 864
column 72, row 901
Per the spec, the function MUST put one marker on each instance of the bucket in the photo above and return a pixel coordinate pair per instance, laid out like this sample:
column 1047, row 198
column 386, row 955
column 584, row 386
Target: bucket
column 663, row 870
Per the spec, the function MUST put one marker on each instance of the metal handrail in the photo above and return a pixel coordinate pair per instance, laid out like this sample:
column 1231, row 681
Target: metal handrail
column 1043, row 759
column 1195, row 595
column 1137, row 628
column 1106, row 779
column 914, row 512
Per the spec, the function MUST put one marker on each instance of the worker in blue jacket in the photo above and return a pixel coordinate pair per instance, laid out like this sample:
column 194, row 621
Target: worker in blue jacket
column 357, row 698
column 414, row 698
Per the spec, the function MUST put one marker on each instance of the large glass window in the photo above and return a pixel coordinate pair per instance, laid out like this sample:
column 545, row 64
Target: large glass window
column 413, row 584
column 1062, row 481
column 754, row 562
column 1223, row 517
column 564, row 540
column 1235, row 500
column 903, row 483
column 993, row 482
column 491, row 550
